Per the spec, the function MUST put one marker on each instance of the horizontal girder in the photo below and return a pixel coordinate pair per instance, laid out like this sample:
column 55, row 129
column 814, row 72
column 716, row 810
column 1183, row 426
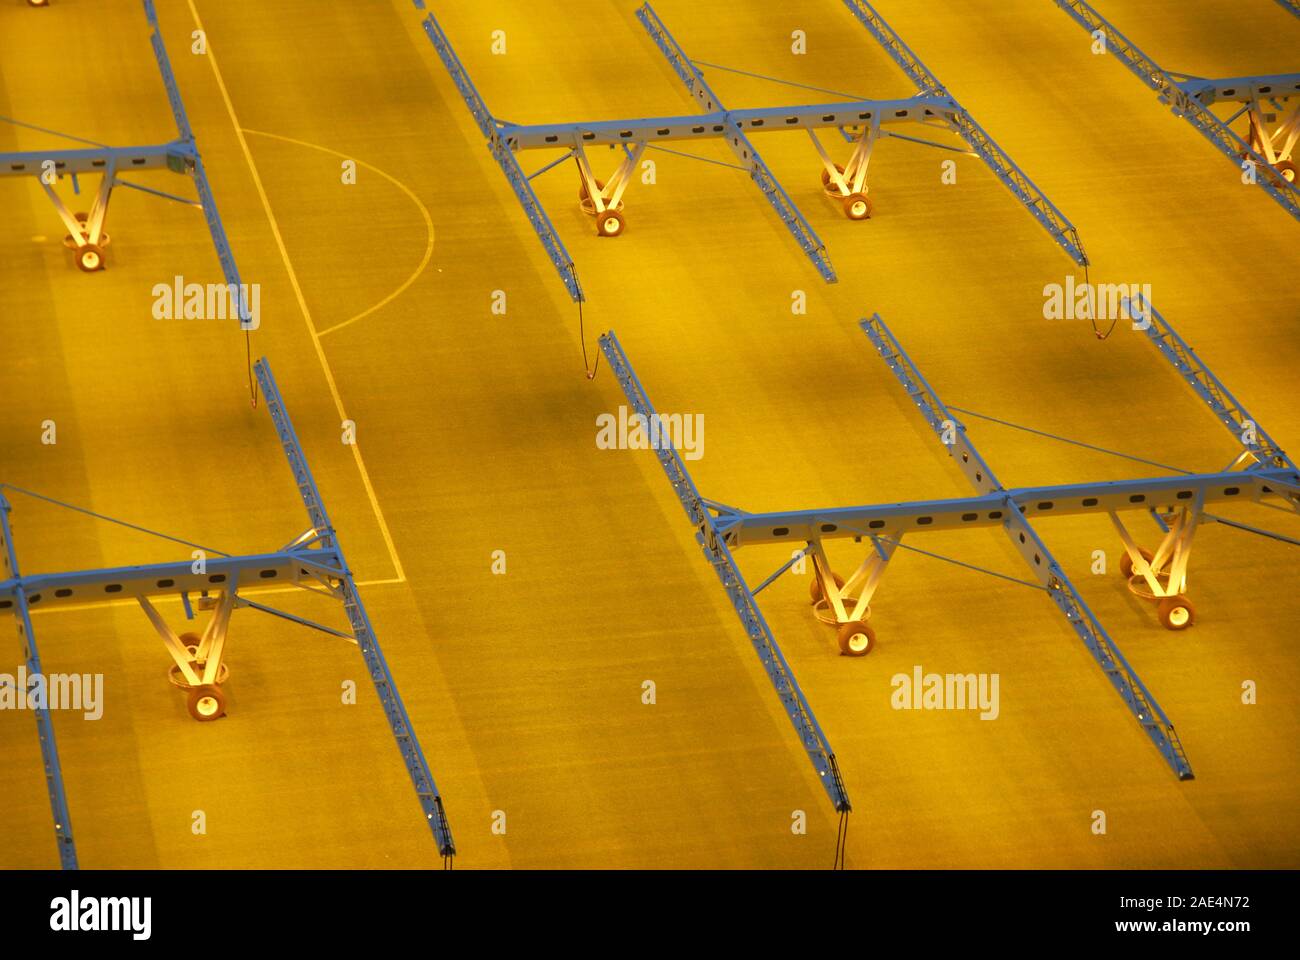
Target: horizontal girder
column 720, row 123
column 715, row 549
column 218, row 573
column 992, row 509
column 1278, row 86
column 177, row 156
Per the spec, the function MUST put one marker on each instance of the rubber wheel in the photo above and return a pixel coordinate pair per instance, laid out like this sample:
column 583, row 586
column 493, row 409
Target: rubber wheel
column 206, row 703
column 1176, row 613
column 584, row 198
column 609, row 223
column 857, row 206
column 1126, row 562
column 90, row 258
column 857, row 639
column 829, row 187
column 582, row 189
column 815, row 590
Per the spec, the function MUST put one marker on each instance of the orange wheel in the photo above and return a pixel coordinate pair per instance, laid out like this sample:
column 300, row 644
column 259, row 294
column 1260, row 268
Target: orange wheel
column 584, row 198
column 90, row 258
column 857, row 639
column 609, row 223
column 829, row 187
column 1287, row 170
column 206, row 703
column 815, row 589
column 857, row 206
column 1176, row 613
column 1126, row 562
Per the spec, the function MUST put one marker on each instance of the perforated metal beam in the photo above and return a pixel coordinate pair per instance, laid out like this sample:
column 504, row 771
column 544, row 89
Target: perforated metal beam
column 44, row 726
column 719, row 556
column 711, row 126
column 403, row 732
column 1278, row 86
column 1023, row 537
column 964, row 125
column 94, row 159
column 1183, row 104
column 163, row 579
column 991, row 509
column 689, row 74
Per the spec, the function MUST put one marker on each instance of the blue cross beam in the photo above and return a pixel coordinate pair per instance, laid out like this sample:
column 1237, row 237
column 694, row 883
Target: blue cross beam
column 1261, row 472
column 220, row 584
column 1269, row 105
column 86, row 235
column 860, row 122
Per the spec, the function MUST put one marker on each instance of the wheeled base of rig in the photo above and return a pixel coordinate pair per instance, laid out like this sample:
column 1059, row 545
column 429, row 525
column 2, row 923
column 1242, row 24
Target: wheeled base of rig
column 604, row 200
column 198, row 669
column 846, row 604
column 1160, row 576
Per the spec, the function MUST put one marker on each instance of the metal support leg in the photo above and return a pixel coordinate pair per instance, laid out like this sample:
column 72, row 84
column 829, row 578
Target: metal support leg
column 847, row 605
column 1277, row 146
column 1161, row 576
column 199, row 667
column 848, row 184
column 87, row 237
column 604, row 199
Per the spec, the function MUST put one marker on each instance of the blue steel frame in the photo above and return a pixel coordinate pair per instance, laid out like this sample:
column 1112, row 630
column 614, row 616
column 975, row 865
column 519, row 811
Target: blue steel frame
column 180, row 156
column 713, row 542
column 313, row 562
column 759, row 172
column 984, row 146
column 721, row 529
column 1187, row 98
column 934, row 103
column 504, row 156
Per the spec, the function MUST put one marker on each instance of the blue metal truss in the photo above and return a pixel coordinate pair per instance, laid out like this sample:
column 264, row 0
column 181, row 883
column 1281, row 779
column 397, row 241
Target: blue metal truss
column 1262, row 471
column 1254, row 441
column 313, row 562
column 712, row 541
column 858, row 121
column 1025, row 539
column 180, row 156
column 504, row 156
column 44, row 726
column 1190, row 97
column 758, row 170
column 1292, row 6
column 207, row 202
column 362, row 632
column 984, row 146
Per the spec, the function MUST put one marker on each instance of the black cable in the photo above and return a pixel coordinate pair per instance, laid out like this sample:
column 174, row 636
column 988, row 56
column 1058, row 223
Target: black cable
column 841, row 840
column 582, row 330
column 1093, row 312
column 252, row 381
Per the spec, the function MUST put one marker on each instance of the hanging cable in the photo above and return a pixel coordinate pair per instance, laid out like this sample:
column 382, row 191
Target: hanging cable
column 1092, row 313
column 252, row 381
column 587, row 367
column 841, row 840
